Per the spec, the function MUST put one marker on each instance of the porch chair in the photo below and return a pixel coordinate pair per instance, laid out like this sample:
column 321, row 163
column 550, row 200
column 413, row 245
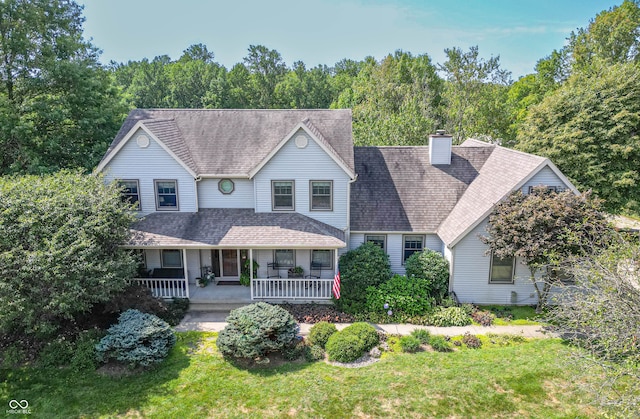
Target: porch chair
column 315, row 270
column 273, row 270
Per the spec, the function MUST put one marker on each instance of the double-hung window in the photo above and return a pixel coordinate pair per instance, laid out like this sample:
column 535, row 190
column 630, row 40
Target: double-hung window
column 130, row 192
column 502, row 270
column 282, row 192
column 321, row 195
column 412, row 244
column 166, row 195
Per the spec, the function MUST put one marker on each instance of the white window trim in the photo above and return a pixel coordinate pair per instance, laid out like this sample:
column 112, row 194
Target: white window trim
column 120, row 181
column 155, row 191
column 311, row 182
column 293, row 196
column 404, row 244
column 513, row 273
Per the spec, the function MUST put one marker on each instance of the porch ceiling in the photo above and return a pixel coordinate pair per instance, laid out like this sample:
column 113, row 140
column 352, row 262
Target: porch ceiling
column 234, row 228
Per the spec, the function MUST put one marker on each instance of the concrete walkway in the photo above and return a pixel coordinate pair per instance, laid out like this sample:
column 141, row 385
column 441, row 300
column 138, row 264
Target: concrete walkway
column 213, row 321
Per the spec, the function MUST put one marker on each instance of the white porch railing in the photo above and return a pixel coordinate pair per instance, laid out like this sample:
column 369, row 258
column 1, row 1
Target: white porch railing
column 291, row 289
column 165, row 287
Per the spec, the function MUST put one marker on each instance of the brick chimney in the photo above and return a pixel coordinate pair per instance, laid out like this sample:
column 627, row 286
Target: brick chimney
column 440, row 148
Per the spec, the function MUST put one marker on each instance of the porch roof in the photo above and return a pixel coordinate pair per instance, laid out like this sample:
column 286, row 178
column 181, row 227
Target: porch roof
column 234, row 228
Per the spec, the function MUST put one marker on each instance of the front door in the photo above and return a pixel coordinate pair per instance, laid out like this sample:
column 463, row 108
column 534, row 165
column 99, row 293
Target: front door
column 229, row 262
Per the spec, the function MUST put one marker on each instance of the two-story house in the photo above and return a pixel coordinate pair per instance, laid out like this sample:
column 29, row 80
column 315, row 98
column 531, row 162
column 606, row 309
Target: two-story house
column 219, row 189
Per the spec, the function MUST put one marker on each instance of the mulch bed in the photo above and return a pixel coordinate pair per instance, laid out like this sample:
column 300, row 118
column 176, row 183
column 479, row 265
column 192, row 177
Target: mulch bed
column 314, row 313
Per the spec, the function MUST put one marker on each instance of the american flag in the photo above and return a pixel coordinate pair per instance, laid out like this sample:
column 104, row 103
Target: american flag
column 336, row 286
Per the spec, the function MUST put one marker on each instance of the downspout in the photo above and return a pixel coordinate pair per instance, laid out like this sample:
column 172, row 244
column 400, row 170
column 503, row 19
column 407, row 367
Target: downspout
column 197, row 180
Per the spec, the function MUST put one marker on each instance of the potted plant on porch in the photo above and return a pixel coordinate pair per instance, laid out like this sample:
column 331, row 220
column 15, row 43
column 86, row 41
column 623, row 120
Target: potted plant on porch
column 296, row 272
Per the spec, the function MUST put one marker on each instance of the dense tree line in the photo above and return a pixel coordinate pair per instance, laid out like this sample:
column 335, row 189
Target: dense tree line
column 59, row 107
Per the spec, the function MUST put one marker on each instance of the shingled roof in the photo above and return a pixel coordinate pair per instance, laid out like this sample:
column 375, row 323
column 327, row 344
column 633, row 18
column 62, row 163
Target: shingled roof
column 234, row 228
column 232, row 141
column 399, row 190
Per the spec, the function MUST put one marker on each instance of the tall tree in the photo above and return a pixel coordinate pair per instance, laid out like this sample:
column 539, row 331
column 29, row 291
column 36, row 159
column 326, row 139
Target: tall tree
column 475, row 95
column 58, row 106
column 590, row 128
column 395, row 101
column 267, row 69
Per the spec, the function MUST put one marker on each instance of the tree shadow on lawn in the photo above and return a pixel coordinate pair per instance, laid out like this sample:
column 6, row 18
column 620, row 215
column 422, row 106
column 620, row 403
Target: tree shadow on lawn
column 63, row 392
column 277, row 364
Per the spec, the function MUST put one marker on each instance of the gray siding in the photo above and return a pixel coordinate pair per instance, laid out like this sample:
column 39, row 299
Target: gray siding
column 395, row 247
column 546, row 177
column 209, row 196
column 471, row 275
column 303, row 165
column 147, row 164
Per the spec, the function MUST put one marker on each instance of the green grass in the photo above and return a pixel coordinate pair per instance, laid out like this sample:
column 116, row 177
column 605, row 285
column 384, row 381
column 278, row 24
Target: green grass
column 526, row 380
column 514, row 315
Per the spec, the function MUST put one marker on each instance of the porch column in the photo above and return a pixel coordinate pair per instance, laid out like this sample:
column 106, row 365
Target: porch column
column 251, row 271
column 186, row 273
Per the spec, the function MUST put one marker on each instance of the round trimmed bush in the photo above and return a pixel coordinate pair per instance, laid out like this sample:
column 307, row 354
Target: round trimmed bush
column 409, row 344
column 321, row 332
column 344, row 347
column 256, row 330
column 365, row 332
column 313, row 353
column 138, row 339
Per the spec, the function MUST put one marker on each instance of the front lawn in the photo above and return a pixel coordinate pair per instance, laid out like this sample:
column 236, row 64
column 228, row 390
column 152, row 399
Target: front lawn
column 526, row 380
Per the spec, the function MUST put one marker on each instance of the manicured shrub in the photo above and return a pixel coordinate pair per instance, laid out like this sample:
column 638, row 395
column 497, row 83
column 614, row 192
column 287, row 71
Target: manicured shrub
column 365, row 332
column 472, row 341
column 422, row 335
column 433, row 268
column 256, row 330
column 79, row 354
column 321, row 332
column 409, row 344
column 450, row 316
column 313, row 353
column 406, row 297
column 439, row 343
column 138, row 339
column 344, row 347
column 360, row 268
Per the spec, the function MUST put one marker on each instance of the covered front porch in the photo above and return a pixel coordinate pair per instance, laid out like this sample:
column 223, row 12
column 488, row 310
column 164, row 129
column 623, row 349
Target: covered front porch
column 272, row 274
column 280, row 257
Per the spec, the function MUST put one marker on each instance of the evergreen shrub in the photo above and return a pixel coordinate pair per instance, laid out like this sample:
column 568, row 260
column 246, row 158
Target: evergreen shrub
column 138, row 339
column 256, row 330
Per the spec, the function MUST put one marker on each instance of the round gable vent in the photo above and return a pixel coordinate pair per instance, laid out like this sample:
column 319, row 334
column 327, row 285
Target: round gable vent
column 142, row 141
column 301, row 141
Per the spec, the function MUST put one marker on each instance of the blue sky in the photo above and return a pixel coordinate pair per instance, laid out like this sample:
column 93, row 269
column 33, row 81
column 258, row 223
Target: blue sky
column 325, row 31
